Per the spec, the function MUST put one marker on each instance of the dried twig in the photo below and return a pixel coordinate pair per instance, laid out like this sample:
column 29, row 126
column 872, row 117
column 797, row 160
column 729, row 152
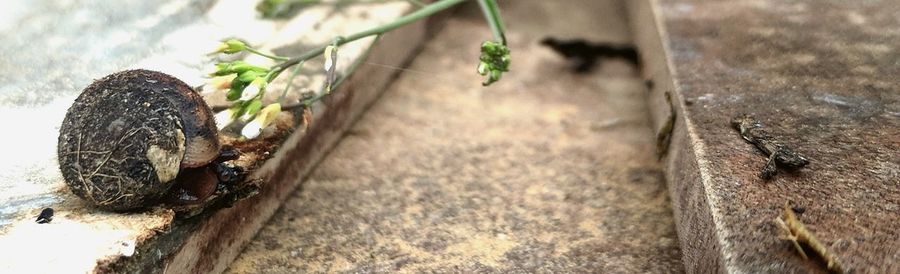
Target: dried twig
column 798, row 234
column 752, row 131
column 664, row 136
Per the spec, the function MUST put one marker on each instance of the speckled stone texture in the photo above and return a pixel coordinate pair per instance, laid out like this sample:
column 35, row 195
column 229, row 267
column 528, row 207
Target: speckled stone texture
column 545, row 171
column 822, row 76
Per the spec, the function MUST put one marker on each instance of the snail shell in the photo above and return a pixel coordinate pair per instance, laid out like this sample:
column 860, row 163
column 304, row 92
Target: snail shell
column 127, row 136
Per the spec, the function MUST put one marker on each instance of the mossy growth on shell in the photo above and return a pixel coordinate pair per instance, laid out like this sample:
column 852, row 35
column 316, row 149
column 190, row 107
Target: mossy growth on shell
column 127, row 136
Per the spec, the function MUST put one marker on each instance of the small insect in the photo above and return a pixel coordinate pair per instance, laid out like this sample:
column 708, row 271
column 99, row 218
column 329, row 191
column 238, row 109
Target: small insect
column 45, row 217
column 798, row 234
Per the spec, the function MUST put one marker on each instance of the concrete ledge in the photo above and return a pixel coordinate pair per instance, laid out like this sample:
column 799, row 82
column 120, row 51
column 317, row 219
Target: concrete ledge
column 81, row 239
column 220, row 237
column 821, row 77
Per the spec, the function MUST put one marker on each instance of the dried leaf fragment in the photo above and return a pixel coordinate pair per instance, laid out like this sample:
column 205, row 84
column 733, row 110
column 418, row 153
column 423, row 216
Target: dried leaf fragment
column 798, row 234
column 777, row 152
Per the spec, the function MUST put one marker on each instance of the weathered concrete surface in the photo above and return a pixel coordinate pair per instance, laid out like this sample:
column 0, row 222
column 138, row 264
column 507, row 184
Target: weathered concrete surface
column 53, row 49
column 221, row 236
column 819, row 74
column 546, row 171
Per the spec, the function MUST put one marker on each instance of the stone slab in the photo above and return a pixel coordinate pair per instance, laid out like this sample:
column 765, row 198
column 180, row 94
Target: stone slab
column 56, row 48
column 820, row 75
column 545, row 171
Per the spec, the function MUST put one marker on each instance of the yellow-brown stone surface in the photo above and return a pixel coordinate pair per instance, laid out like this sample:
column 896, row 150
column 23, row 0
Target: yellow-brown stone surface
column 544, row 171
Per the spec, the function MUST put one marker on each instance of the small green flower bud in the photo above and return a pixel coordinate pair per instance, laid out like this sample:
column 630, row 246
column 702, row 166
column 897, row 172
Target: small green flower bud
column 252, row 108
column 237, row 87
column 250, row 75
column 495, row 60
column 231, row 46
column 482, row 68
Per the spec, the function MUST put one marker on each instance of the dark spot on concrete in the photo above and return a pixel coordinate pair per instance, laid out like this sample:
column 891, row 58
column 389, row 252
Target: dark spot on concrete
column 584, row 55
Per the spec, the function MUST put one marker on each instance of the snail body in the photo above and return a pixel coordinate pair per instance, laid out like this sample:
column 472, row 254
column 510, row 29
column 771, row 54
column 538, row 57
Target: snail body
column 128, row 136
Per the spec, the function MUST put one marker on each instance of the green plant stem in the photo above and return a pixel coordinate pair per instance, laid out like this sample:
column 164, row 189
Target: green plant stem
column 417, row 3
column 273, row 57
column 492, row 14
column 290, row 82
column 402, row 21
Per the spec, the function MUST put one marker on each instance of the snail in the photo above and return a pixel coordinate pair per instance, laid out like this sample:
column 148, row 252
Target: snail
column 137, row 138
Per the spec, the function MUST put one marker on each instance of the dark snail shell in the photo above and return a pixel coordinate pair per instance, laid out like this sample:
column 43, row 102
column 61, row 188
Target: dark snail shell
column 127, row 136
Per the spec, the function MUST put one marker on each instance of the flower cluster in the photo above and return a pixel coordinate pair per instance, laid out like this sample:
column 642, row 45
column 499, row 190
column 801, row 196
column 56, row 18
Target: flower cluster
column 495, row 61
column 246, row 85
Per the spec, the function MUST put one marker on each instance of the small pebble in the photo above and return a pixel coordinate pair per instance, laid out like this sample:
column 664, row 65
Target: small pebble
column 46, row 216
column 798, row 209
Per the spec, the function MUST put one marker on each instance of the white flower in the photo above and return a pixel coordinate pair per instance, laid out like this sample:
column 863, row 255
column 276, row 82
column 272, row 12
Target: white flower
column 253, row 89
column 329, row 50
column 252, row 129
column 263, row 119
column 218, row 83
column 224, row 118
